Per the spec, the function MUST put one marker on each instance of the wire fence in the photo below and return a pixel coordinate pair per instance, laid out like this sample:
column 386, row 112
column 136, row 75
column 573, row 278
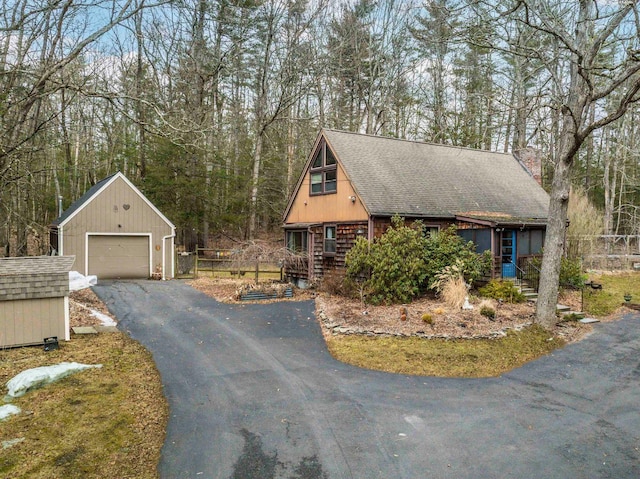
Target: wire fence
column 606, row 252
column 225, row 263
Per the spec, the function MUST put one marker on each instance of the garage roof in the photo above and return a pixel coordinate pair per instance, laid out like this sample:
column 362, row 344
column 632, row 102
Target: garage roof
column 94, row 191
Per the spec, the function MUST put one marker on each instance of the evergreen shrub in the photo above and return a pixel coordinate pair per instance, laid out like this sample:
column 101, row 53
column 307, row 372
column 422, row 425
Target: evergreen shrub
column 505, row 290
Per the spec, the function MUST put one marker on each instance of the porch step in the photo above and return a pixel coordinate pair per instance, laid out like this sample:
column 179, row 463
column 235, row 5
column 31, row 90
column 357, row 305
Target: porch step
column 529, row 293
column 560, row 308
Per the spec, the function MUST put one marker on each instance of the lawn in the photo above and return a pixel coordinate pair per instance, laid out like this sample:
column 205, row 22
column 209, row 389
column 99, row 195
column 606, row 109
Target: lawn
column 469, row 358
column 110, row 422
column 605, row 301
column 99, row 423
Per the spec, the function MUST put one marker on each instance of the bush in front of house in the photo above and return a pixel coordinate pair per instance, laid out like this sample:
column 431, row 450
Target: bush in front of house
column 392, row 266
column 403, row 262
column 447, row 249
column 571, row 274
column 504, row 290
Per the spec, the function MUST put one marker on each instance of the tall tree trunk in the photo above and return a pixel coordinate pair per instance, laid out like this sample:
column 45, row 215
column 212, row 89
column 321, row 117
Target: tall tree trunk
column 255, row 178
column 141, row 172
column 572, row 120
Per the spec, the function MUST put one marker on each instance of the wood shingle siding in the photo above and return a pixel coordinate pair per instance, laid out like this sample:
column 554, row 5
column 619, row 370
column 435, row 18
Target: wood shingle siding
column 381, row 177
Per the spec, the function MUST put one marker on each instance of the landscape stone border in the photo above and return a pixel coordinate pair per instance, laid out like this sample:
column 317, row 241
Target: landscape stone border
column 337, row 328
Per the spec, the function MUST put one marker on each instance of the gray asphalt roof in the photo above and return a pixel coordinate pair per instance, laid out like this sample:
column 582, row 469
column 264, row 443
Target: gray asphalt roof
column 403, row 177
column 35, row 265
column 82, row 200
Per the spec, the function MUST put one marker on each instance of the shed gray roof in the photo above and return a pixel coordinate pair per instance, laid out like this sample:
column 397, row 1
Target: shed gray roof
column 413, row 178
column 36, row 265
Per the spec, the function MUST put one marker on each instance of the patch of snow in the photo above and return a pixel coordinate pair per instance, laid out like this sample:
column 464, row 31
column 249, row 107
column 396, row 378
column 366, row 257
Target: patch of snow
column 37, row 377
column 11, row 442
column 8, row 410
column 78, row 281
column 104, row 319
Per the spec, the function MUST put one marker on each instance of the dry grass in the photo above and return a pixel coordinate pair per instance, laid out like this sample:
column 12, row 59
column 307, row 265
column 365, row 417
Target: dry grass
column 454, row 291
column 99, row 423
column 445, row 358
column 607, row 300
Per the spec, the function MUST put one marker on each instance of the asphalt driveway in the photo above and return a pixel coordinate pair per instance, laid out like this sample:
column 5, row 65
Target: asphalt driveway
column 254, row 393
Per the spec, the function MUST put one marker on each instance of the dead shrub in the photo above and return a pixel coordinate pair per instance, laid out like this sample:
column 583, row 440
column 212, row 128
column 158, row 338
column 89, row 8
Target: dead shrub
column 335, row 282
column 487, row 303
column 585, row 220
column 454, row 291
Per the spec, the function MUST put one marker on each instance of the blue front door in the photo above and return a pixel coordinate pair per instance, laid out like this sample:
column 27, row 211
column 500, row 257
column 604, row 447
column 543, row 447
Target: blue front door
column 508, row 252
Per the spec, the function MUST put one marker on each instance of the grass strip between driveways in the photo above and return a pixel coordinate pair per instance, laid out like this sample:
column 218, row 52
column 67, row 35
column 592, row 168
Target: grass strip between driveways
column 602, row 302
column 98, row 423
column 445, row 358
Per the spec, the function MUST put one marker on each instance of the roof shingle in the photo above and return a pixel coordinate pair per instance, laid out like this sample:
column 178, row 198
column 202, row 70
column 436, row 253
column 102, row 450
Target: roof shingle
column 413, row 178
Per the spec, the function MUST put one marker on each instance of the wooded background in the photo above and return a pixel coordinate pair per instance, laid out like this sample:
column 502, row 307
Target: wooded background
column 211, row 107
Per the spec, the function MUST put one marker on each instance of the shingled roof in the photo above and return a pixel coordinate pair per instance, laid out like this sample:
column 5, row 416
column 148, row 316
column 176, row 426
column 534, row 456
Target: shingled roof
column 420, row 179
column 76, row 205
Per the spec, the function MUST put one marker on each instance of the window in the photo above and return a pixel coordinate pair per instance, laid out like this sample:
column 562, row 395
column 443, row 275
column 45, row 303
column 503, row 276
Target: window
column 297, row 241
column 480, row 237
column 530, row 242
column 431, row 231
column 324, row 171
column 330, row 240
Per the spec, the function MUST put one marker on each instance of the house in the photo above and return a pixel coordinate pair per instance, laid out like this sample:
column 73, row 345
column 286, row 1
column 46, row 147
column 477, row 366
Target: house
column 114, row 231
column 353, row 184
column 34, row 299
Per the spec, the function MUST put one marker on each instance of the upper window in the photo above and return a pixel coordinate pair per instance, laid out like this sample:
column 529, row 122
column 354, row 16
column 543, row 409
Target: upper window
column 324, row 171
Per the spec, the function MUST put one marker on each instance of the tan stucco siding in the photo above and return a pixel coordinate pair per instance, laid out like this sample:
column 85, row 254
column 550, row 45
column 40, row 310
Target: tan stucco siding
column 116, row 210
column 29, row 321
column 337, row 207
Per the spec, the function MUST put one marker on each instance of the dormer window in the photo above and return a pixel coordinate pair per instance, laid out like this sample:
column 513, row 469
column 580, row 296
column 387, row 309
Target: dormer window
column 324, row 171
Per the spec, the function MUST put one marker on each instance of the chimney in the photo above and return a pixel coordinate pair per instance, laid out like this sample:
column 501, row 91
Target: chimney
column 59, row 206
column 531, row 159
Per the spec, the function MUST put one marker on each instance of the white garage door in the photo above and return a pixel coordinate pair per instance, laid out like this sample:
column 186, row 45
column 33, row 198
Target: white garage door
column 119, row 256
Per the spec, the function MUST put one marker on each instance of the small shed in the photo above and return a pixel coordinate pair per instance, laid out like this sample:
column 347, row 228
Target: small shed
column 34, row 299
column 114, row 231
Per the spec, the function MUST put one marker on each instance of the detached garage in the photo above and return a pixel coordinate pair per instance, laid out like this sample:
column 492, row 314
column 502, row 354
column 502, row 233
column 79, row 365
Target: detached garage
column 115, row 232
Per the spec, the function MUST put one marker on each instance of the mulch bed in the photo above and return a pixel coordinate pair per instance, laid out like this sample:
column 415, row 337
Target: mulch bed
column 340, row 315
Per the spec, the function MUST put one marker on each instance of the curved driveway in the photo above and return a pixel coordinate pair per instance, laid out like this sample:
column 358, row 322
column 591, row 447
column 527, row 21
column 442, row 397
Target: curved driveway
column 253, row 393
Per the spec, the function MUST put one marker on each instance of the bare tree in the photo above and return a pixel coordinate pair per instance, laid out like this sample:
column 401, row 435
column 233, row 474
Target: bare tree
column 585, row 80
